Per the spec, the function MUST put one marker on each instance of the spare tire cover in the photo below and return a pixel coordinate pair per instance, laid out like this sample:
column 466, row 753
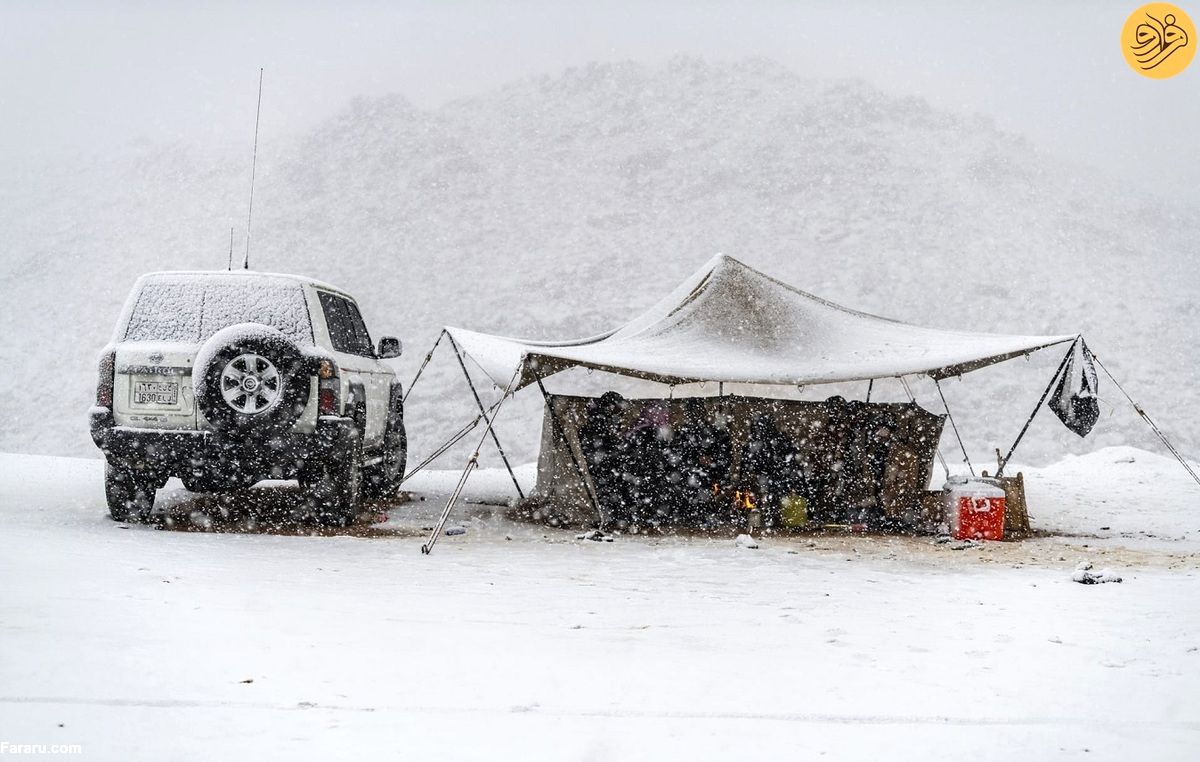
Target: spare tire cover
column 250, row 379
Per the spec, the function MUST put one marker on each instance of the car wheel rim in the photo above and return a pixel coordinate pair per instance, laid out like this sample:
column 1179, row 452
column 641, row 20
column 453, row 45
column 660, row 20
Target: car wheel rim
column 250, row 384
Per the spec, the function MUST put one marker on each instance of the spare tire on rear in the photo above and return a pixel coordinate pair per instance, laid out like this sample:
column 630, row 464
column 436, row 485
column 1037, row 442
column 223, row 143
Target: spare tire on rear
column 250, row 379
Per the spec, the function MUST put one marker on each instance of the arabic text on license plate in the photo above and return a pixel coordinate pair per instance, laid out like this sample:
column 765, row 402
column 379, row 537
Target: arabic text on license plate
column 156, row 393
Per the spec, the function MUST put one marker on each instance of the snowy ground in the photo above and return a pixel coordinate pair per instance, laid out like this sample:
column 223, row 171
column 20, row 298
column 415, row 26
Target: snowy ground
column 518, row 642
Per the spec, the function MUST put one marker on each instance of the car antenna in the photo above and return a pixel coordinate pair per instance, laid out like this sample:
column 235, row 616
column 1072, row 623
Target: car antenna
column 230, row 267
column 253, row 166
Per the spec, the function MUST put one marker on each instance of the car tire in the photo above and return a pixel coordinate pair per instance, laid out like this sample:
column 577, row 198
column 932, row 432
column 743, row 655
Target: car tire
column 126, row 494
column 251, row 379
column 382, row 479
column 333, row 486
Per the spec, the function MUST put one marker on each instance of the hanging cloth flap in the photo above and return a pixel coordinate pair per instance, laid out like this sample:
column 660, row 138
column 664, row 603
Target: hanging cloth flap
column 1074, row 401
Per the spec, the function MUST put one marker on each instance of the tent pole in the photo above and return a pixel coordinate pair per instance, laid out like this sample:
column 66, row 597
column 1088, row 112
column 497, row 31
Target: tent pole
column 937, row 448
column 1179, row 457
column 441, row 449
column 562, row 435
column 472, row 464
column 1004, row 461
column 479, row 402
column 424, row 362
column 954, row 426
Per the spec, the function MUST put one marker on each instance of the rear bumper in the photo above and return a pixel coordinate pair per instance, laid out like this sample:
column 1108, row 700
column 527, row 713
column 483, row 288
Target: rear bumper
column 208, row 460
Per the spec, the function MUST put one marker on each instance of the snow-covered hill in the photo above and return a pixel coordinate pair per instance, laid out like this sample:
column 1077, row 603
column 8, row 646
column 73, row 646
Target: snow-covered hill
column 562, row 205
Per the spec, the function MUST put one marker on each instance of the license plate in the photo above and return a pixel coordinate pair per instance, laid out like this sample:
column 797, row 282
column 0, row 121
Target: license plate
column 156, row 393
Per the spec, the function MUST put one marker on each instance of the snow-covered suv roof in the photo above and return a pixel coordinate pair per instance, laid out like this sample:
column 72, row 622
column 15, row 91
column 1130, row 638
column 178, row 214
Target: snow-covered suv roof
column 188, row 306
column 208, row 275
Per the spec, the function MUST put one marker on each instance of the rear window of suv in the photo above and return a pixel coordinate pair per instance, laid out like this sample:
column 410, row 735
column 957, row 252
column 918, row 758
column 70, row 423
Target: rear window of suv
column 347, row 331
column 189, row 310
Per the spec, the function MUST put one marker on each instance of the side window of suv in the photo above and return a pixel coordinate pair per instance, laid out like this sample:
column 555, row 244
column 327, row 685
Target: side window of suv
column 347, row 331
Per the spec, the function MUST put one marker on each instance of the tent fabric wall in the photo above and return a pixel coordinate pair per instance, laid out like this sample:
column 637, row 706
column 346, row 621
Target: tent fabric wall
column 565, row 490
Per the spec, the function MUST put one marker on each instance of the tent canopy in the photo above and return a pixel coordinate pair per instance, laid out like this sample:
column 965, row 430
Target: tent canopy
column 729, row 322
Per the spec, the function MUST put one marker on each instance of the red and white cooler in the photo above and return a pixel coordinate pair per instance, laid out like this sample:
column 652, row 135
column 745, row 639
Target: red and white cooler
column 974, row 509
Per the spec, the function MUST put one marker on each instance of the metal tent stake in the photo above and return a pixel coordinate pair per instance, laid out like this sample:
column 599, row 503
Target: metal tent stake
column 1004, row 461
column 954, row 426
column 483, row 412
column 472, row 464
column 420, row 370
column 442, row 448
column 483, row 415
column 938, row 445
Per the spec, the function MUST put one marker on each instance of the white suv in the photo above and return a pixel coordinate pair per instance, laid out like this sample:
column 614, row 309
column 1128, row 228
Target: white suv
column 224, row 379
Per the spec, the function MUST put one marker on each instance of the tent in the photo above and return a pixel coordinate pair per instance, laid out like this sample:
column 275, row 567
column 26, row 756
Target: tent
column 731, row 323
column 885, row 453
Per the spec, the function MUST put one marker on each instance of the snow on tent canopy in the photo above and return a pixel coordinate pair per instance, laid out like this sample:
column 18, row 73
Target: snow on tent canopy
column 729, row 322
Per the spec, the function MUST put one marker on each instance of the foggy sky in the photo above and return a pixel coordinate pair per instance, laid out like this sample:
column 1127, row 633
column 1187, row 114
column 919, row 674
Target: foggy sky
column 96, row 77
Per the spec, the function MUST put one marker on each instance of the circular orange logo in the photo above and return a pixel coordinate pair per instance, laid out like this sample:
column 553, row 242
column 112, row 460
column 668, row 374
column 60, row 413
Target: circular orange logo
column 1159, row 40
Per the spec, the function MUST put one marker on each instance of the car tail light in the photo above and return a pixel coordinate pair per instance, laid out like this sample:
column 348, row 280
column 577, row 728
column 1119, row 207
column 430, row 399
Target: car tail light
column 328, row 388
column 104, row 384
